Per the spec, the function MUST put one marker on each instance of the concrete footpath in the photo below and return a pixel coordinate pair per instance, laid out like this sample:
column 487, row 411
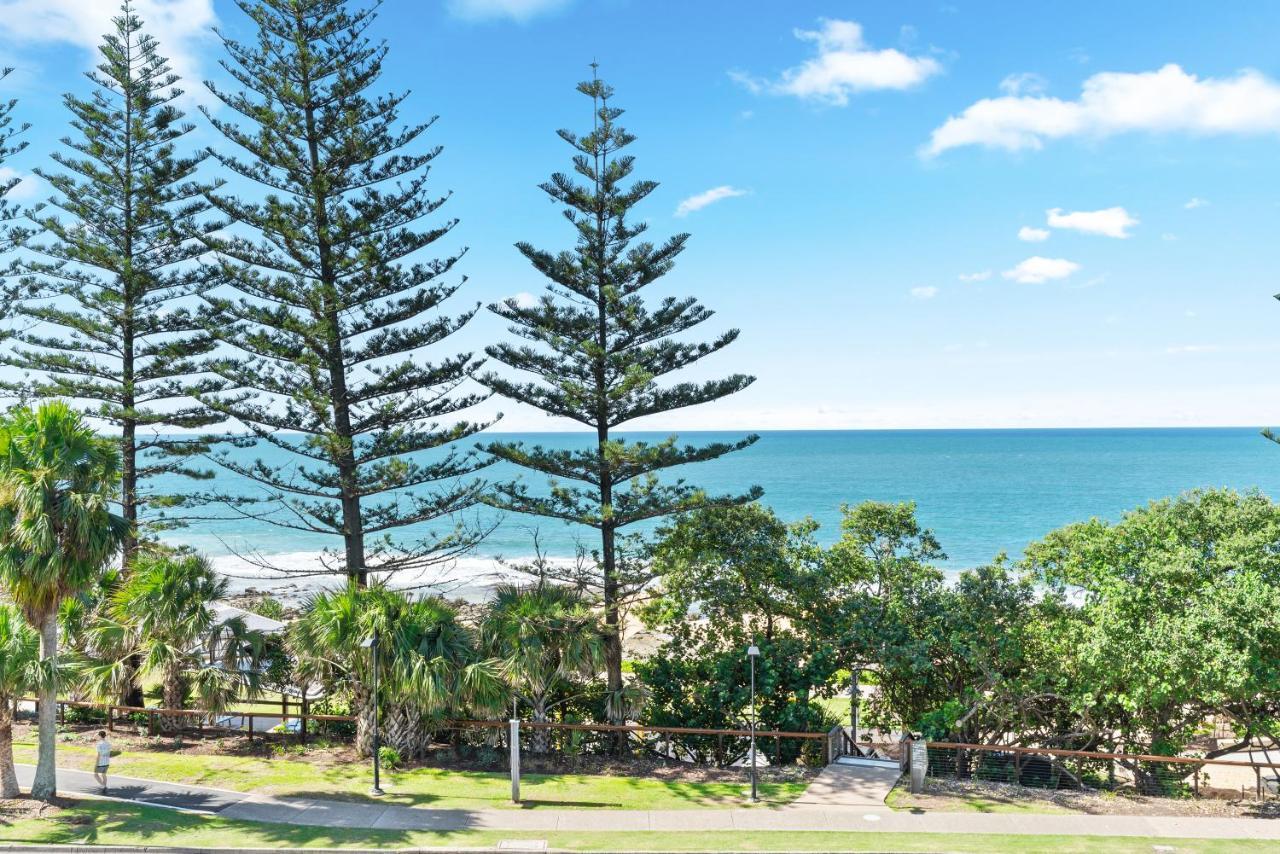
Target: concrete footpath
column 797, row 817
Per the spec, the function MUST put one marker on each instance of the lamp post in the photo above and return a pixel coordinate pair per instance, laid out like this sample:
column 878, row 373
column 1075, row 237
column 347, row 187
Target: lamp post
column 753, row 652
column 854, row 696
column 372, row 643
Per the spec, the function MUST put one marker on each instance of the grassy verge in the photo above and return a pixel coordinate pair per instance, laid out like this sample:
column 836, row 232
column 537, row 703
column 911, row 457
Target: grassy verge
column 435, row 787
column 107, row 823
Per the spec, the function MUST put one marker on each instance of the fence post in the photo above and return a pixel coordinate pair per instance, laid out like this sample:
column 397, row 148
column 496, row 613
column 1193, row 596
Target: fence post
column 111, row 718
column 250, row 717
column 515, row 760
column 1257, row 770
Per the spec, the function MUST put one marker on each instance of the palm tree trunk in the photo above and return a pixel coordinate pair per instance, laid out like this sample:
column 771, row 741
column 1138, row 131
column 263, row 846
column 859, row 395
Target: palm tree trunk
column 8, row 775
column 45, row 785
column 363, row 702
column 172, row 699
column 540, row 738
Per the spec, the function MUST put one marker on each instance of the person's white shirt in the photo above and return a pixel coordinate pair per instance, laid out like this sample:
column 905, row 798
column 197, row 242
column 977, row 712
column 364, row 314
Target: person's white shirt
column 104, row 752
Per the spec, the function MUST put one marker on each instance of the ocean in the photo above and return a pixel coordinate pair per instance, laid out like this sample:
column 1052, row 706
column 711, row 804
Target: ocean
column 981, row 491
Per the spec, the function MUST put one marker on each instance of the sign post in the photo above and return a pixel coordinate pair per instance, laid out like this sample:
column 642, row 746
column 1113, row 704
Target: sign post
column 919, row 764
column 515, row 760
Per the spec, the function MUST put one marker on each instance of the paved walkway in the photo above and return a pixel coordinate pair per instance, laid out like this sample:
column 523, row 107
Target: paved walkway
column 175, row 795
column 798, row 817
column 851, row 785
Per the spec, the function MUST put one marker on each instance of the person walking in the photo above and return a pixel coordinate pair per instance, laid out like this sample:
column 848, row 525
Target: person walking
column 104, row 760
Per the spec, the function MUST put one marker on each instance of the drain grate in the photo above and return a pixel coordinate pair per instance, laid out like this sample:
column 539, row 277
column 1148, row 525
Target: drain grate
column 522, row 845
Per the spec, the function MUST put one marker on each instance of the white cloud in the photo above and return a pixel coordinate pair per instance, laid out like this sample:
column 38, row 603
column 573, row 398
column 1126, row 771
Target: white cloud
column 1191, row 349
column 1023, row 83
column 1033, row 235
column 1109, row 222
column 1169, row 237
column 710, row 197
column 925, row 292
column 1166, row 100
column 1195, row 202
column 845, row 66
column 515, row 10
column 1036, row 270
column 980, row 276
column 26, row 189
column 182, row 27
column 524, row 299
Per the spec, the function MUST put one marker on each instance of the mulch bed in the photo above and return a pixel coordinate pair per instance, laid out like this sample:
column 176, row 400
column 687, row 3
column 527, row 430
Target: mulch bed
column 943, row 795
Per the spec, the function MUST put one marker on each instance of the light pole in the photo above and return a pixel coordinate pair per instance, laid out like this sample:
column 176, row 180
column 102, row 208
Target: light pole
column 854, row 696
column 372, row 643
column 753, row 652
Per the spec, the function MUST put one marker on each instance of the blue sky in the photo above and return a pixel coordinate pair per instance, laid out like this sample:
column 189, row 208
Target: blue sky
column 874, row 165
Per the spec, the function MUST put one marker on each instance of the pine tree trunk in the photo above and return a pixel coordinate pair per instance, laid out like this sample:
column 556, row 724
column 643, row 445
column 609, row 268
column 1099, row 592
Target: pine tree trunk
column 352, row 523
column 45, row 785
column 8, row 774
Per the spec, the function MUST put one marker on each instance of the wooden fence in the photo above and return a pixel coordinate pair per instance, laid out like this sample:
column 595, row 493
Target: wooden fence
column 828, row 745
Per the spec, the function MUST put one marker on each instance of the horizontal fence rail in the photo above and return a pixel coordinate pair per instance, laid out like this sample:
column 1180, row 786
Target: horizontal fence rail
column 698, row 745
column 1147, row 774
column 199, row 720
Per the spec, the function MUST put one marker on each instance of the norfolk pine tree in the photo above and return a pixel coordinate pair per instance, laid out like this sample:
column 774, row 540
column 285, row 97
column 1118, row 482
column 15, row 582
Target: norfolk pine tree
column 330, row 309
column 598, row 351
column 107, row 316
column 8, row 148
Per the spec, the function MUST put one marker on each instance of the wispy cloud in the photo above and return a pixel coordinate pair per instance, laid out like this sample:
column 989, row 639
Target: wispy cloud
column 980, row 276
column 844, row 66
column 1191, row 349
column 1036, row 270
column 709, row 197
column 1033, row 235
column 924, row 292
column 27, row 188
column 1166, row 100
column 182, row 27
column 1195, row 202
column 1023, row 83
column 1109, row 222
column 514, row 10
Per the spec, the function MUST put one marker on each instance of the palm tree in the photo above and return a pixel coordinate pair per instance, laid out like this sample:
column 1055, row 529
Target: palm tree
column 549, row 639
column 19, row 676
column 162, row 616
column 57, row 534
column 427, row 659
column 437, row 673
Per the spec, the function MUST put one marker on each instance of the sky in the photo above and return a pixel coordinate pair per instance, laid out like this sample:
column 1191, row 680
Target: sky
column 923, row 215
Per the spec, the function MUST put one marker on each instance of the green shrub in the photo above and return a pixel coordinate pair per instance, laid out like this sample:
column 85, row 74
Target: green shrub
column 389, row 757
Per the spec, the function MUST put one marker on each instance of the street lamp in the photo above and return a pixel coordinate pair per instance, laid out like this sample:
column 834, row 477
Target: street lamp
column 854, row 696
column 753, row 652
column 372, row 643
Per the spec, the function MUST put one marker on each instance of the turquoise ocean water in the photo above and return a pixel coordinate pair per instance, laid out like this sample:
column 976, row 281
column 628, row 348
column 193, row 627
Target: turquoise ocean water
column 982, row 491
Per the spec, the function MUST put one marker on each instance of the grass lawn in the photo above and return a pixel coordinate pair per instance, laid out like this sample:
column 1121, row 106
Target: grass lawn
column 435, row 787
column 109, row 823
